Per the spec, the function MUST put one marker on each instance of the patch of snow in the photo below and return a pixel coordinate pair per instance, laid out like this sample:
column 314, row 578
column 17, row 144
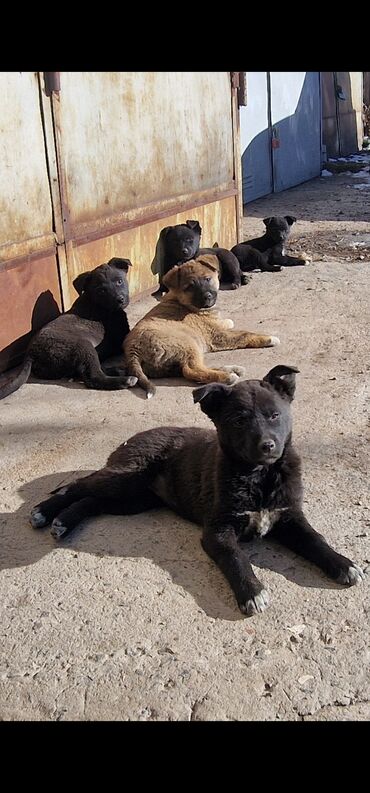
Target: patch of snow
column 326, row 173
column 362, row 186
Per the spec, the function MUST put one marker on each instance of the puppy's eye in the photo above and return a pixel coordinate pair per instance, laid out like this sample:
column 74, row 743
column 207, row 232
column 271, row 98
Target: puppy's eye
column 208, row 278
column 274, row 416
column 119, row 281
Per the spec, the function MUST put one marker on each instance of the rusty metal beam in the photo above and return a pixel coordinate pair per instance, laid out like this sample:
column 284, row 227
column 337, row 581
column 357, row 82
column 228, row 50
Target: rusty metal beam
column 112, row 224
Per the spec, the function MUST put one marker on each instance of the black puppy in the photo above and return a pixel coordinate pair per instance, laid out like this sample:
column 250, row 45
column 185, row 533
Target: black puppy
column 267, row 252
column 178, row 244
column 240, row 482
column 74, row 344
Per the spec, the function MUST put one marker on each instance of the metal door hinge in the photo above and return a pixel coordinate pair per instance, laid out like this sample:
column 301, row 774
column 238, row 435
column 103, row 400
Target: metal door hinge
column 52, row 82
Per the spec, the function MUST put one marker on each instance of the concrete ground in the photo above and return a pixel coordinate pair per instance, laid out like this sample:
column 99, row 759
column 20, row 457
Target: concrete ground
column 127, row 618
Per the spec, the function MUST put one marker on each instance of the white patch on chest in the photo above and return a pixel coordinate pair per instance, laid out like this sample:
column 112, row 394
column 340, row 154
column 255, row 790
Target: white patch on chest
column 283, row 252
column 263, row 520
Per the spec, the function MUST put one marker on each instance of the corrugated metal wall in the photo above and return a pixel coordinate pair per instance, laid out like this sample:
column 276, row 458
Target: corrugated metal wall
column 97, row 168
column 280, row 131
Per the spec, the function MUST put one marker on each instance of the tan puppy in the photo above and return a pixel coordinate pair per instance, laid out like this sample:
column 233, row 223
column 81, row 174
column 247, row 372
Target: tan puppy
column 173, row 337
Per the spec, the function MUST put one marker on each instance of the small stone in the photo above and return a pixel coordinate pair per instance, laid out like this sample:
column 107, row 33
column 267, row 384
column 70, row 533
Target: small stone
column 304, row 679
column 297, row 629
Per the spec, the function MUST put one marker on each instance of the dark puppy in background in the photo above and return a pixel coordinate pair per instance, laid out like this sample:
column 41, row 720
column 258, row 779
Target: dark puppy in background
column 267, row 253
column 240, row 482
column 75, row 344
column 178, row 244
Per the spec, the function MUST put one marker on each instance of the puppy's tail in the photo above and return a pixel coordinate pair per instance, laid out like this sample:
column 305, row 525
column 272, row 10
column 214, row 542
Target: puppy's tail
column 13, row 383
column 135, row 368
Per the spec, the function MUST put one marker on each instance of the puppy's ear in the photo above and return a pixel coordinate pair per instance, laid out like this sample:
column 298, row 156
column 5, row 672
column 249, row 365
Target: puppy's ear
column 122, row 264
column 209, row 260
column 211, row 397
column 266, row 221
column 215, row 245
column 80, row 283
column 193, row 224
column 158, row 261
column 290, row 219
column 172, row 279
column 282, row 378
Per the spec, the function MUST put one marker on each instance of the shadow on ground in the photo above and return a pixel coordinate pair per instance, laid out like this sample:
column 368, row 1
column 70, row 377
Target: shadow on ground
column 159, row 535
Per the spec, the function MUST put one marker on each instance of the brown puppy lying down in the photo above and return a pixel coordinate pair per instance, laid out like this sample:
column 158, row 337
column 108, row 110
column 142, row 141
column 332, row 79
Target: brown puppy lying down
column 173, row 337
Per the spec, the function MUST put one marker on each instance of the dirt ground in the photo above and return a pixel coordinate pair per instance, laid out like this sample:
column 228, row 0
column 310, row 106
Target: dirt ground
column 128, row 619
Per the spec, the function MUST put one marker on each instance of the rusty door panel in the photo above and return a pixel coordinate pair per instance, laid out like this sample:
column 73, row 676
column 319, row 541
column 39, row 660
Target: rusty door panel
column 128, row 140
column 30, row 297
column 350, row 111
column 218, row 221
column 25, row 204
column 342, row 117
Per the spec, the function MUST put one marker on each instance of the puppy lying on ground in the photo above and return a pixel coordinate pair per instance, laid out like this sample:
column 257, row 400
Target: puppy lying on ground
column 74, row 344
column 172, row 338
column 242, row 481
column 267, row 252
column 179, row 244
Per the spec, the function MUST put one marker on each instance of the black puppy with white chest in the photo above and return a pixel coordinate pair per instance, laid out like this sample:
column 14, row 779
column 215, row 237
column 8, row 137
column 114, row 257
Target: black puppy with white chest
column 75, row 344
column 178, row 244
column 242, row 481
column 267, row 253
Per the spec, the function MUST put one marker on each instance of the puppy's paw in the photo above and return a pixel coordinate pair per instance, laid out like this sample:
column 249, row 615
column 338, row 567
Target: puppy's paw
column 274, row 341
column 151, row 390
column 235, row 286
column 256, row 604
column 276, row 268
column 226, row 323
column 245, row 279
column 37, row 519
column 353, row 575
column 238, row 370
column 57, row 529
column 130, row 381
column 306, row 259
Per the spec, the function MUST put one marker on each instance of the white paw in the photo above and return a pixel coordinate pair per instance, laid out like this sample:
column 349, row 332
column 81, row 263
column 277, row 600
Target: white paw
column 274, row 340
column 37, row 519
column 239, row 370
column 57, row 529
column 354, row 575
column 233, row 378
column 228, row 323
column 257, row 604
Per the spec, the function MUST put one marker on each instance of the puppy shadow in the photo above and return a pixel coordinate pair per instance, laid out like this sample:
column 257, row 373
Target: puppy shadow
column 70, row 384
column 159, row 535
column 271, row 555
column 170, row 542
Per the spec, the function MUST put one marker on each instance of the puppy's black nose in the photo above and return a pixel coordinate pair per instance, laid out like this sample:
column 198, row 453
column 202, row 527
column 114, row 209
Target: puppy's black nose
column 209, row 299
column 268, row 446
